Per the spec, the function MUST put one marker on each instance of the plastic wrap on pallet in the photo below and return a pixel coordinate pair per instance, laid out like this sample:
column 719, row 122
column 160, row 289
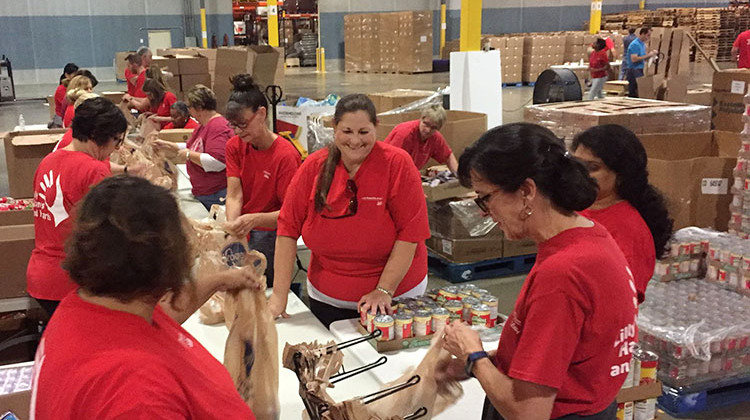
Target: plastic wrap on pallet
column 318, row 135
column 467, row 212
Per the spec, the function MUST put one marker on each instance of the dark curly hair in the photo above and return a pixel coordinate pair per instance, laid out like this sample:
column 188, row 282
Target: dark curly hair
column 509, row 154
column 128, row 242
column 98, row 120
column 622, row 152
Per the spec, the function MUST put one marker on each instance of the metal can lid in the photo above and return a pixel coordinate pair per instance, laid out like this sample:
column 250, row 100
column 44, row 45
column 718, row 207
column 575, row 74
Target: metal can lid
column 440, row 311
column 453, row 304
column 488, row 298
column 480, row 307
column 422, row 313
column 470, row 301
column 481, row 291
column 467, row 286
column 383, row 319
column 451, row 289
column 403, row 317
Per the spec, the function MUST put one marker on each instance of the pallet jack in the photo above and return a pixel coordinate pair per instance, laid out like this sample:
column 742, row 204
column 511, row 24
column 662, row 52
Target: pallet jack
column 274, row 93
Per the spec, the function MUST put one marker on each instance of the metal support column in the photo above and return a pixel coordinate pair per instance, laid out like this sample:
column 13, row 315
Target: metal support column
column 204, row 28
column 273, row 23
column 595, row 23
column 443, row 26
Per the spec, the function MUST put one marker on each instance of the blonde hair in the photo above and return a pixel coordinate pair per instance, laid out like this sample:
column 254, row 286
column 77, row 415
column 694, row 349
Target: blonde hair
column 201, row 97
column 81, row 83
column 155, row 73
column 83, row 97
column 436, row 114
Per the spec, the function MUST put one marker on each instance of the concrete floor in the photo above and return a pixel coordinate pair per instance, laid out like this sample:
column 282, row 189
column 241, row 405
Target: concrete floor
column 305, row 82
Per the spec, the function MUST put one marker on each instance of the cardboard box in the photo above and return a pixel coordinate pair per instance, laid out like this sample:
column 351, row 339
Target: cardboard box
column 415, row 41
column 445, row 190
column 445, row 223
column 115, row 97
column 695, row 173
column 16, row 244
column 267, row 64
column 176, row 135
column 187, row 81
column 638, row 393
column 734, row 81
column 23, row 152
column 121, row 63
column 167, row 63
column 16, row 217
column 517, row 248
column 466, row 250
column 700, row 96
column 191, row 64
column 461, row 128
column 728, row 109
column 386, row 101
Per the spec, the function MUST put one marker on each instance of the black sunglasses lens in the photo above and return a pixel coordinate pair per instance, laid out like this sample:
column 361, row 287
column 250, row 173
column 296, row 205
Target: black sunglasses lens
column 481, row 203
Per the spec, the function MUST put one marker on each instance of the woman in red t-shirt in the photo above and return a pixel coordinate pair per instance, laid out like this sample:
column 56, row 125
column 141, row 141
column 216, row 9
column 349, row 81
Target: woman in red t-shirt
column 360, row 208
column 631, row 209
column 62, row 179
column 60, row 92
column 161, row 101
column 566, row 347
column 78, row 86
column 598, row 66
column 260, row 166
column 130, row 258
column 205, row 151
column 180, row 115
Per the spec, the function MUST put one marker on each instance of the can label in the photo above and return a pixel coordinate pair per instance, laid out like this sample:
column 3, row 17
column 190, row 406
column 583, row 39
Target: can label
column 438, row 323
column 403, row 330
column 480, row 318
column 645, row 409
column 625, row 411
column 647, row 371
column 722, row 275
column 422, row 327
column 386, row 332
column 370, row 322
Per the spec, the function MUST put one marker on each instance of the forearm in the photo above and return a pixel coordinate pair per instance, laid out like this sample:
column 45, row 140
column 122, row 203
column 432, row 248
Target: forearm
column 453, row 163
column 283, row 264
column 233, row 207
column 398, row 265
column 116, row 169
column 267, row 220
column 179, row 307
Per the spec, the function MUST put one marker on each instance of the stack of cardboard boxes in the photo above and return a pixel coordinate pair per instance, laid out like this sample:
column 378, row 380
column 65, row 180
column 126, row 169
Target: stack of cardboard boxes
column 541, row 52
column 187, row 71
column 399, row 42
column 511, row 56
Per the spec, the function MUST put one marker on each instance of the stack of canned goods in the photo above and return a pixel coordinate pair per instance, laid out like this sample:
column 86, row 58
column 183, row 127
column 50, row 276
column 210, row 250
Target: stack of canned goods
column 699, row 331
column 642, row 371
column 728, row 262
column 422, row 316
column 686, row 258
column 739, row 222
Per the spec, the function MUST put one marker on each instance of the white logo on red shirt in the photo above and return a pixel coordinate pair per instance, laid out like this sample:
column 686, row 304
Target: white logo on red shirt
column 57, row 209
column 379, row 200
column 266, row 175
column 185, row 341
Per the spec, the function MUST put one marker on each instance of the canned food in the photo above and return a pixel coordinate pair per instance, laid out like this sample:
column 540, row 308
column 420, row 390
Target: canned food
column 674, row 249
column 403, row 325
column 422, row 323
column 440, row 318
column 625, row 411
column 385, row 324
column 478, row 293
column 646, row 365
column 432, row 293
column 468, row 304
column 704, row 246
column 645, row 409
column 722, row 278
column 735, row 259
column 675, row 267
column 480, row 315
column 491, row 301
column 467, row 286
column 464, row 293
column 684, row 249
column 407, row 311
column 695, row 265
column 629, row 379
column 448, row 293
column 455, row 308
column 369, row 321
column 685, row 266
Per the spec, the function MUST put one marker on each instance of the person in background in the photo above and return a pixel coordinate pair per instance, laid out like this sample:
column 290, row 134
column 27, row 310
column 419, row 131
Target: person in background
column 135, row 77
column 637, row 57
column 205, row 151
column 62, row 179
column 260, row 166
column 598, row 66
column 359, row 206
column 127, row 253
column 741, row 50
column 78, row 86
column 59, row 97
column 144, row 104
column 161, row 101
column 631, row 209
column 422, row 139
column 573, row 324
column 146, row 56
column 180, row 115
column 626, row 40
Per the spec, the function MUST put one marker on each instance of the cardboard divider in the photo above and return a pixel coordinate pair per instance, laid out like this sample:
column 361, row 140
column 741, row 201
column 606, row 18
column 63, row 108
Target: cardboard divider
column 24, row 150
column 16, row 244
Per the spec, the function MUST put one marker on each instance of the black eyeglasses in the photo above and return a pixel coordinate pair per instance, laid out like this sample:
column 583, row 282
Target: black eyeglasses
column 483, row 200
column 351, row 209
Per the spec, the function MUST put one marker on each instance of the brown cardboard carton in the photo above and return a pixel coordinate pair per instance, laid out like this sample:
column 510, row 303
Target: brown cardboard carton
column 388, row 39
column 517, row 248
column 727, row 143
column 386, row 101
column 445, row 223
column 167, row 63
column 415, row 41
column 176, row 135
column 641, row 392
column 16, row 244
column 700, row 96
column 444, row 191
column 267, row 65
column 18, row 217
column 187, row 81
column 697, row 184
column 353, row 42
column 192, row 64
column 121, row 63
column 115, row 97
column 731, row 81
column 467, row 250
column 728, row 109
column 23, row 152
column 18, row 403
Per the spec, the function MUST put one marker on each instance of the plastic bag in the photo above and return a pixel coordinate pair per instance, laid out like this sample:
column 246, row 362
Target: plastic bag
column 467, row 212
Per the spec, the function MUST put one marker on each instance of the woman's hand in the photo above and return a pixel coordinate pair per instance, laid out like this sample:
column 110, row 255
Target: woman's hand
column 159, row 119
column 375, row 301
column 242, row 225
column 277, row 305
column 460, row 340
column 167, row 146
column 450, row 370
column 239, row 278
column 137, row 169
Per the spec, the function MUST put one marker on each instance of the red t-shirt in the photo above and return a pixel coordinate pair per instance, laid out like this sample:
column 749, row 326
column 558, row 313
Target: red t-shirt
column 573, row 325
column 348, row 254
column 99, row 363
column 743, row 44
column 163, row 110
column 191, row 124
column 211, row 139
column 265, row 174
column 62, row 179
column 406, row 136
column 70, row 113
column 598, row 59
column 633, row 236
column 135, row 89
column 66, row 139
column 60, row 101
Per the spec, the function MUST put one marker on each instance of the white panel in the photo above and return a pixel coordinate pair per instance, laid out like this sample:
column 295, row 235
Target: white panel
column 118, row 8
column 476, row 85
column 39, row 76
column 163, row 7
column 14, row 8
column 217, row 7
column 56, row 8
column 334, row 6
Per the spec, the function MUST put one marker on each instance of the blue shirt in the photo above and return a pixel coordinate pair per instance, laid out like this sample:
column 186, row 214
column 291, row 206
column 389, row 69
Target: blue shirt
column 626, row 42
column 638, row 48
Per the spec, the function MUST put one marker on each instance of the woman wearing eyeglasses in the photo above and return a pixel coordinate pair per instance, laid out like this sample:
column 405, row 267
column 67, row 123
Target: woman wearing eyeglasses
column 359, row 206
column 62, row 179
column 566, row 347
column 260, row 166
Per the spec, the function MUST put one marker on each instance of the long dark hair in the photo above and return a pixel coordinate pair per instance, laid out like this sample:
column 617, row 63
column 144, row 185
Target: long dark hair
column 509, row 154
column 622, row 152
column 349, row 103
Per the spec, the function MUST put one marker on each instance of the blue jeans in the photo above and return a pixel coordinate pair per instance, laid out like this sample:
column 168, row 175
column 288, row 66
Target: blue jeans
column 633, row 75
column 215, row 198
column 264, row 241
column 623, row 69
